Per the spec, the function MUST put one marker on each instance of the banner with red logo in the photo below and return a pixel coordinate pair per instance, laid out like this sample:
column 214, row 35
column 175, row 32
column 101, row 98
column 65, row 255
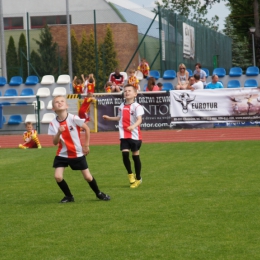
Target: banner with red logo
column 215, row 106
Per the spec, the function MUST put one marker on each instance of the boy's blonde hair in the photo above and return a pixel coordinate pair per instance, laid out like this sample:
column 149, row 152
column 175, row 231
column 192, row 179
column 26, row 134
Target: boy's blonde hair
column 130, row 85
column 28, row 123
column 53, row 100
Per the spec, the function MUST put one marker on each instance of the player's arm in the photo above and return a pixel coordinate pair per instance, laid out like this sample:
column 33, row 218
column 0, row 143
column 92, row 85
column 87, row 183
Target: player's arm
column 137, row 123
column 56, row 138
column 111, row 118
column 85, row 146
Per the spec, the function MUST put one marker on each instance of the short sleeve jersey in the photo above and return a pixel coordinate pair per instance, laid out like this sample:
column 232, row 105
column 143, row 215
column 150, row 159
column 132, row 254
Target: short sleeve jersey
column 78, row 89
column 133, row 81
column 69, row 145
column 144, row 68
column 91, row 87
column 118, row 79
column 128, row 115
column 214, row 85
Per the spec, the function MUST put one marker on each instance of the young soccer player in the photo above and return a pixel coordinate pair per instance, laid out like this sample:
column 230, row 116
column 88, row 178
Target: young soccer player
column 133, row 80
column 30, row 137
column 84, row 111
column 130, row 117
column 65, row 129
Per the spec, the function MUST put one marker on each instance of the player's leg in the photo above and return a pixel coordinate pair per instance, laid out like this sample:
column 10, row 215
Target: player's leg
column 136, row 144
column 58, row 175
column 125, row 148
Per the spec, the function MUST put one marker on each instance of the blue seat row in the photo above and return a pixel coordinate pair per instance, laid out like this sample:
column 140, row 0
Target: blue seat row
column 12, row 92
column 17, row 81
column 249, row 83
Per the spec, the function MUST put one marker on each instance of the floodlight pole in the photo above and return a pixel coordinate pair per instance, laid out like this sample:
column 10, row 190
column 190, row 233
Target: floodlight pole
column 3, row 54
column 69, row 40
column 252, row 30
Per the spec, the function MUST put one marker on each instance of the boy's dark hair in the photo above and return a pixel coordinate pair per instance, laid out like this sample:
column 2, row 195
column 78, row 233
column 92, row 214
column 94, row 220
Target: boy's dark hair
column 197, row 76
column 159, row 84
column 90, row 80
column 198, row 64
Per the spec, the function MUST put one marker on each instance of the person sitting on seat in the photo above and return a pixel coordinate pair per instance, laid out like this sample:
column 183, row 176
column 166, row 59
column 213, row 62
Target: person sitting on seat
column 133, row 80
column 144, row 67
column 201, row 72
column 117, row 80
column 151, row 85
column 214, row 83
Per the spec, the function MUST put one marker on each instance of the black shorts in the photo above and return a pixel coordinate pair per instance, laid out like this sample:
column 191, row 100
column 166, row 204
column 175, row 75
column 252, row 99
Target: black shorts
column 79, row 163
column 130, row 144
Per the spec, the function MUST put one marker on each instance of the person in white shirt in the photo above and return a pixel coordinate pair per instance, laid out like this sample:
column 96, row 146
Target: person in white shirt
column 198, row 83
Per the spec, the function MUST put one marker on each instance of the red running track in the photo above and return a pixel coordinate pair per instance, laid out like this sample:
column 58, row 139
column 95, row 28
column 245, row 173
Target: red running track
column 154, row 136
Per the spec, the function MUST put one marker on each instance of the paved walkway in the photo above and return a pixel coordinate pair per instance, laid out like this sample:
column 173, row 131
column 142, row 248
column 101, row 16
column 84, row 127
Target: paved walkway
column 154, row 136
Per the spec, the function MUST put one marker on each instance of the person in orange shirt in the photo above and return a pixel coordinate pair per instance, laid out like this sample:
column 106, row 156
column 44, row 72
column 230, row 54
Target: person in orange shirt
column 144, row 67
column 85, row 107
column 30, row 137
column 78, row 85
column 108, row 87
column 133, row 80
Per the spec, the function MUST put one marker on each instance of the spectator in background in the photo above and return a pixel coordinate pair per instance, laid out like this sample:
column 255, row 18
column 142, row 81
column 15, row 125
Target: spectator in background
column 78, row 85
column 160, row 86
column 201, row 72
column 191, row 82
column 90, row 88
column 144, row 67
column 133, row 80
column 214, row 83
column 117, row 81
column 151, row 85
column 182, row 77
column 108, row 87
column 198, row 83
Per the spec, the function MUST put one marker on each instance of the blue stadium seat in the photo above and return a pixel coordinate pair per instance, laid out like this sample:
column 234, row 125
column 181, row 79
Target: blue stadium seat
column 207, row 71
column 154, row 73
column 32, row 80
column 0, row 94
column 21, row 103
column 10, row 92
column 5, row 103
column 252, row 71
column 167, row 86
column 2, row 81
column 233, row 84
column 221, row 72
column 190, row 72
column 4, row 120
column 235, row 72
column 15, row 120
column 27, row 92
column 16, row 81
column 251, row 83
column 169, row 74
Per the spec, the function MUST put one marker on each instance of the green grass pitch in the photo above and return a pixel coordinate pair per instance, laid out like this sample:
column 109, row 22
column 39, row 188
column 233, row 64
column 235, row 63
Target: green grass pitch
column 197, row 201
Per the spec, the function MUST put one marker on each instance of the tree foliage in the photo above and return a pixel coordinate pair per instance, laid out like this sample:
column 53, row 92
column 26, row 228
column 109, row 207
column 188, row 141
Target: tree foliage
column 22, row 55
column 48, row 62
column 11, row 59
column 76, row 69
column 193, row 10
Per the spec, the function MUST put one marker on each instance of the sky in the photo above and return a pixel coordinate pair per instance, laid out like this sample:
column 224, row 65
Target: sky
column 218, row 9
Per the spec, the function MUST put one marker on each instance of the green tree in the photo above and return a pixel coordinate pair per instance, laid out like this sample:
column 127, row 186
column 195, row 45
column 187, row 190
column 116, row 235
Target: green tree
column 11, row 59
column 193, row 10
column 34, row 60
column 76, row 68
column 22, row 56
column 109, row 55
column 240, row 54
column 48, row 63
column 83, row 54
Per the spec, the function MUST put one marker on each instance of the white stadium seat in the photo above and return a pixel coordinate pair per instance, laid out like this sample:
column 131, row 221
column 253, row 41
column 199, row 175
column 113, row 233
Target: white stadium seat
column 59, row 91
column 43, row 92
column 48, row 117
column 47, row 80
column 63, row 79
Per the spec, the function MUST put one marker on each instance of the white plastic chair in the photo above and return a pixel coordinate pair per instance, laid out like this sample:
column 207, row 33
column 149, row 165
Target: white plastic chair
column 42, row 105
column 49, row 106
column 139, row 74
column 47, row 80
column 63, row 79
column 43, row 92
column 30, row 118
column 59, row 91
column 48, row 117
column 124, row 74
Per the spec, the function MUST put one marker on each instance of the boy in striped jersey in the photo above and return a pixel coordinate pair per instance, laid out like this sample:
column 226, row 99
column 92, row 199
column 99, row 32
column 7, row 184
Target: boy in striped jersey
column 65, row 129
column 130, row 117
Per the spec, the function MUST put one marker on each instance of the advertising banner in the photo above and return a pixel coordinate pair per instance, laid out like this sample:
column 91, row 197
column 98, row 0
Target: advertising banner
column 188, row 41
column 156, row 110
column 215, row 106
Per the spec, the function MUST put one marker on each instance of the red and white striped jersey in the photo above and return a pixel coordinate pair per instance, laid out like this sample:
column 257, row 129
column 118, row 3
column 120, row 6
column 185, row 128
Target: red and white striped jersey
column 128, row 115
column 69, row 145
